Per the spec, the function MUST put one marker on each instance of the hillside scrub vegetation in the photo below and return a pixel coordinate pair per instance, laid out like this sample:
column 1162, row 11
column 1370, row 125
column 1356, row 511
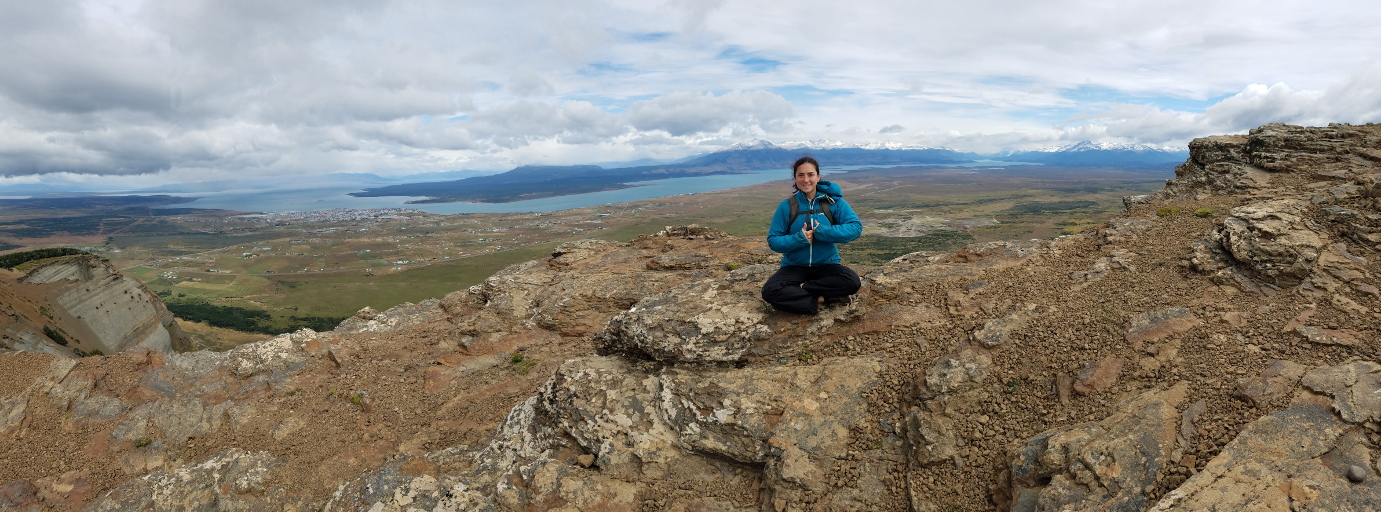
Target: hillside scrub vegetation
column 15, row 259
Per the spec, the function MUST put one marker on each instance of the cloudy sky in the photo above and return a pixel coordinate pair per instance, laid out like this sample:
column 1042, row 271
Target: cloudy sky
column 125, row 91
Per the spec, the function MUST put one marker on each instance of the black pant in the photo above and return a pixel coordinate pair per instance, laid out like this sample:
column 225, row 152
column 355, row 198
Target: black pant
column 797, row 289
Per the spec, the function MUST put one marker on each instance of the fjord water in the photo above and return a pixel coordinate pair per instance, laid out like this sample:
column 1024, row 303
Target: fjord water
column 335, row 197
column 285, row 200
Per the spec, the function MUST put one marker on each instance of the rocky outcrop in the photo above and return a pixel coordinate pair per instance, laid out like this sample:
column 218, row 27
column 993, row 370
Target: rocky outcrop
column 1272, row 240
column 87, row 306
column 1313, row 180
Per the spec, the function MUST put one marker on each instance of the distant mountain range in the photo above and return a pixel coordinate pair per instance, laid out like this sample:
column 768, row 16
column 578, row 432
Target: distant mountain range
column 1100, row 153
column 535, row 182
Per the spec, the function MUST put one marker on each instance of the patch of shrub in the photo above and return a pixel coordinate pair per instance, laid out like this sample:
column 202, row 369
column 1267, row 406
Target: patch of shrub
column 1203, row 212
column 229, row 317
column 522, row 363
column 248, row 320
column 19, row 258
column 54, row 335
column 1166, row 211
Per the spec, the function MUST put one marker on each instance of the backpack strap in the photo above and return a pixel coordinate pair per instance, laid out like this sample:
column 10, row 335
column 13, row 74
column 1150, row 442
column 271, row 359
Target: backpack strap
column 795, row 205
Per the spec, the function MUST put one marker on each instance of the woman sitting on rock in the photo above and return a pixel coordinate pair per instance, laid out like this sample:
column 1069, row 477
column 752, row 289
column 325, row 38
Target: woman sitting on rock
column 805, row 229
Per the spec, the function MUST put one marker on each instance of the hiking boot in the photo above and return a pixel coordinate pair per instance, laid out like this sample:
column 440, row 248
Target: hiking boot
column 843, row 300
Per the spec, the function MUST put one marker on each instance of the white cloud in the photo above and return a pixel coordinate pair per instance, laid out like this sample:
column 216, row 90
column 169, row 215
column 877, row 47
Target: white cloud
column 525, row 82
column 687, row 113
column 1355, row 100
column 198, row 87
column 522, row 122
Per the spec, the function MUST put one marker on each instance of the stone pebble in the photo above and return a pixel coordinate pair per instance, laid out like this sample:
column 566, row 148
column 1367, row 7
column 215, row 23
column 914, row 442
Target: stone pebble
column 1357, row 474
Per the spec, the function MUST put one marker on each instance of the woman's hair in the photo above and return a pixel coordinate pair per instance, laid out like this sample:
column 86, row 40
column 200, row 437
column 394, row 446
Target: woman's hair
column 804, row 160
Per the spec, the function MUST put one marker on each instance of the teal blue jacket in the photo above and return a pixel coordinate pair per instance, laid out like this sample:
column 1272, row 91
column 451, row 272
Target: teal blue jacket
column 789, row 240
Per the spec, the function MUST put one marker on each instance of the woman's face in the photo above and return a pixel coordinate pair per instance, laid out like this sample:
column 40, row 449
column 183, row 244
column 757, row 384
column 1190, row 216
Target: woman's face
column 806, row 178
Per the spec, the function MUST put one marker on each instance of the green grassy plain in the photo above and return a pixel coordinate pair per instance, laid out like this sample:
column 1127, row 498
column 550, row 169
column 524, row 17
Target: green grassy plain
column 345, row 293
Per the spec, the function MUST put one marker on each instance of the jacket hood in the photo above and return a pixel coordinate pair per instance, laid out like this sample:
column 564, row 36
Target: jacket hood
column 828, row 188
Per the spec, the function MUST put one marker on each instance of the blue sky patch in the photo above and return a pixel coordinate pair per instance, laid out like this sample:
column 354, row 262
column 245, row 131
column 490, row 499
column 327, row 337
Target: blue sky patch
column 1007, row 81
column 1098, row 94
column 611, row 105
column 752, row 61
column 650, row 37
column 603, row 68
column 757, row 65
column 808, row 93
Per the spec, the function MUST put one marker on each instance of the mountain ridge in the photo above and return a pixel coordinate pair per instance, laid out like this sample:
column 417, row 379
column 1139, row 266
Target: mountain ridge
column 534, row 182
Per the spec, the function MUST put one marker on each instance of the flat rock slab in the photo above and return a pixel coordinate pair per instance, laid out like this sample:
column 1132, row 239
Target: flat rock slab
column 1277, row 463
column 1155, row 325
column 998, row 331
column 1098, row 375
column 1309, row 455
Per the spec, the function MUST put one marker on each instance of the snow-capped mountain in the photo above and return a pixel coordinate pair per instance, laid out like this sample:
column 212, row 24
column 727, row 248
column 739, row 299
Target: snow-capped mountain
column 821, row 144
column 1099, row 153
column 894, row 145
column 758, row 152
column 1107, row 146
column 749, row 145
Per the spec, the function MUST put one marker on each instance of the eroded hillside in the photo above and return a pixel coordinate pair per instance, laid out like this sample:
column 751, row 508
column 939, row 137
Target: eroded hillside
column 78, row 305
column 1216, row 346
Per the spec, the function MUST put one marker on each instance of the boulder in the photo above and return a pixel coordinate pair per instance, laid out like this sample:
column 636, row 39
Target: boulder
column 714, row 320
column 1123, row 229
column 931, row 436
column 958, row 372
column 1098, row 375
column 1117, row 259
column 410, row 483
column 1272, row 239
column 1276, row 382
